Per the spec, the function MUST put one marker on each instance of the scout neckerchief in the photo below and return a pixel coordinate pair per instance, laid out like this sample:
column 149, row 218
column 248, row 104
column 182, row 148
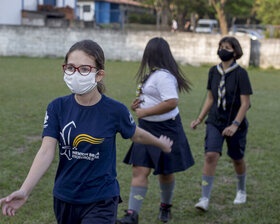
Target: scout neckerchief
column 222, row 85
column 140, row 85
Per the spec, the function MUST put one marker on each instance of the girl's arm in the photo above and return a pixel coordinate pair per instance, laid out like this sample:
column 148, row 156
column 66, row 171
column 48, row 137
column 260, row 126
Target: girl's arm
column 206, row 107
column 160, row 108
column 41, row 163
column 144, row 137
column 245, row 104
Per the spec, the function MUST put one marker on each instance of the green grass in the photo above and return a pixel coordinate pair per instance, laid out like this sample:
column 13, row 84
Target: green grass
column 29, row 84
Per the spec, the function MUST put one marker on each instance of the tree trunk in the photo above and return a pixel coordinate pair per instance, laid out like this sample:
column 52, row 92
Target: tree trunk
column 194, row 18
column 223, row 22
column 165, row 13
column 181, row 20
column 220, row 9
column 158, row 19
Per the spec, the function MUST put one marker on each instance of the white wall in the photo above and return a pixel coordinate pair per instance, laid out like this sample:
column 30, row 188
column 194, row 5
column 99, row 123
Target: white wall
column 187, row 48
column 70, row 3
column 86, row 16
column 10, row 12
column 30, row 4
column 270, row 53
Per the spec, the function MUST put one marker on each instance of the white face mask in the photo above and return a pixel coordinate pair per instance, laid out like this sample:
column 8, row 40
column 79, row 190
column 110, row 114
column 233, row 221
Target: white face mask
column 80, row 84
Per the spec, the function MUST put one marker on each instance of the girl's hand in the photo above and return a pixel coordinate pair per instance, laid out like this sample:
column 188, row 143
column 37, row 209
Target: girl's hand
column 135, row 104
column 230, row 130
column 13, row 202
column 195, row 123
column 167, row 142
column 140, row 113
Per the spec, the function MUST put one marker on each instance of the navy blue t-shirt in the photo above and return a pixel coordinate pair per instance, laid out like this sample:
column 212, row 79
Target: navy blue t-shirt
column 87, row 147
column 237, row 83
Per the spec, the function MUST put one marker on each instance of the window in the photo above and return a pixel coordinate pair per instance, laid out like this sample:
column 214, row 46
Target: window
column 86, row 8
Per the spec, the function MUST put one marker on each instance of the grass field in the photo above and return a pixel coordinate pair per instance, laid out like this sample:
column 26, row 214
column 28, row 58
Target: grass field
column 29, row 84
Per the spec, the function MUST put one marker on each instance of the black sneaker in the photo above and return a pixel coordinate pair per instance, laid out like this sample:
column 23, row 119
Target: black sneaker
column 130, row 217
column 164, row 212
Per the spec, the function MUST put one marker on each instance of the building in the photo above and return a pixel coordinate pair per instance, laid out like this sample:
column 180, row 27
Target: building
column 11, row 10
column 61, row 13
column 85, row 10
column 109, row 11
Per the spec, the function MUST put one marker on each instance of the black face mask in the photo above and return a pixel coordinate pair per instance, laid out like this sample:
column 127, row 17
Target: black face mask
column 225, row 55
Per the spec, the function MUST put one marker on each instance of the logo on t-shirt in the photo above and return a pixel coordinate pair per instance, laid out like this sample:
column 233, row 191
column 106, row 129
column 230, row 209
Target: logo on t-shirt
column 46, row 120
column 72, row 152
column 131, row 118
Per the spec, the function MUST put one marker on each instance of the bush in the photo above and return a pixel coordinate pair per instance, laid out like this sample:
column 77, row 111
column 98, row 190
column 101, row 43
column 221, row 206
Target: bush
column 275, row 32
column 141, row 18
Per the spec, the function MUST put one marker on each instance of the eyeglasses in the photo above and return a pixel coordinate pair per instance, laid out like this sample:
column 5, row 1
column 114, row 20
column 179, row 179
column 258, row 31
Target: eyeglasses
column 83, row 69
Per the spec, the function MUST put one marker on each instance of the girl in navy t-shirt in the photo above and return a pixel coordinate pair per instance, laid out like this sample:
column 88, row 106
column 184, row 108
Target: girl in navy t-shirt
column 84, row 125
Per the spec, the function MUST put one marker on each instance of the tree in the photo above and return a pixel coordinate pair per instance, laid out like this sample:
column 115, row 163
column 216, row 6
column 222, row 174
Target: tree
column 180, row 9
column 225, row 10
column 232, row 9
column 184, row 9
column 240, row 9
column 268, row 11
column 219, row 6
column 162, row 8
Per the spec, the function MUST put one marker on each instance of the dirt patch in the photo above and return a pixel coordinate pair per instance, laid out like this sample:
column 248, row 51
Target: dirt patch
column 21, row 149
column 29, row 139
column 34, row 138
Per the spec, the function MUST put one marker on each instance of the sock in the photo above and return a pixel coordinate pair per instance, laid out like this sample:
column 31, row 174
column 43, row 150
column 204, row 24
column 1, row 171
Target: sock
column 207, row 182
column 166, row 192
column 136, row 197
column 241, row 184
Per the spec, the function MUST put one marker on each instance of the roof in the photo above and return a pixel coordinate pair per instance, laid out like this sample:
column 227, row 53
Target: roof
column 126, row 2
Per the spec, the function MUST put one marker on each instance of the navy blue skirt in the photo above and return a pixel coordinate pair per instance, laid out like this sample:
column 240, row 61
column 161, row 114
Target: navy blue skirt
column 152, row 157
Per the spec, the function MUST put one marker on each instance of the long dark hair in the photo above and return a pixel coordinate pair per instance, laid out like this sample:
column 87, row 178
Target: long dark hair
column 93, row 50
column 157, row 54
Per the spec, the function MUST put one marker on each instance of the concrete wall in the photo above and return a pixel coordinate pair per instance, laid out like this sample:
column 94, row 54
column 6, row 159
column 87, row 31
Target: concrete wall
column 270, row 53
column 187, row 48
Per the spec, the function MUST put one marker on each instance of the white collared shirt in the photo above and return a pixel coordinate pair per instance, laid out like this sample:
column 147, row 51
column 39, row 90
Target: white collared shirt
column 160, row 86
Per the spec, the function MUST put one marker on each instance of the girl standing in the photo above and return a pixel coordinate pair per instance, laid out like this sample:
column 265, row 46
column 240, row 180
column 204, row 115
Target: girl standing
column 227, row 102
column 157, row 111
column 84, row 124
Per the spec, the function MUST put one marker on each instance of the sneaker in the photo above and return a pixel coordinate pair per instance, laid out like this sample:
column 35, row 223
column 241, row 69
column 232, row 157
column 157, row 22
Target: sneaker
column 202, row 204
column 240, row 197
column 130, row 217
column 164, row 212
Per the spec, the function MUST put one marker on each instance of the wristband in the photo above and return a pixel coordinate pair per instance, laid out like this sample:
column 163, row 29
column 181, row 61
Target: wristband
column 236, row 123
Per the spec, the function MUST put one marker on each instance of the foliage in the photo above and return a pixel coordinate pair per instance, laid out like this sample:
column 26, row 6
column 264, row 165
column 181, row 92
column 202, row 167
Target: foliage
column 226, row 11
column 141, row 18
column 230, row 9
column 275, row 33
column 268, row 11
column 162, row 8
column 26, row 91
column 188, row 6
column 239, row 8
